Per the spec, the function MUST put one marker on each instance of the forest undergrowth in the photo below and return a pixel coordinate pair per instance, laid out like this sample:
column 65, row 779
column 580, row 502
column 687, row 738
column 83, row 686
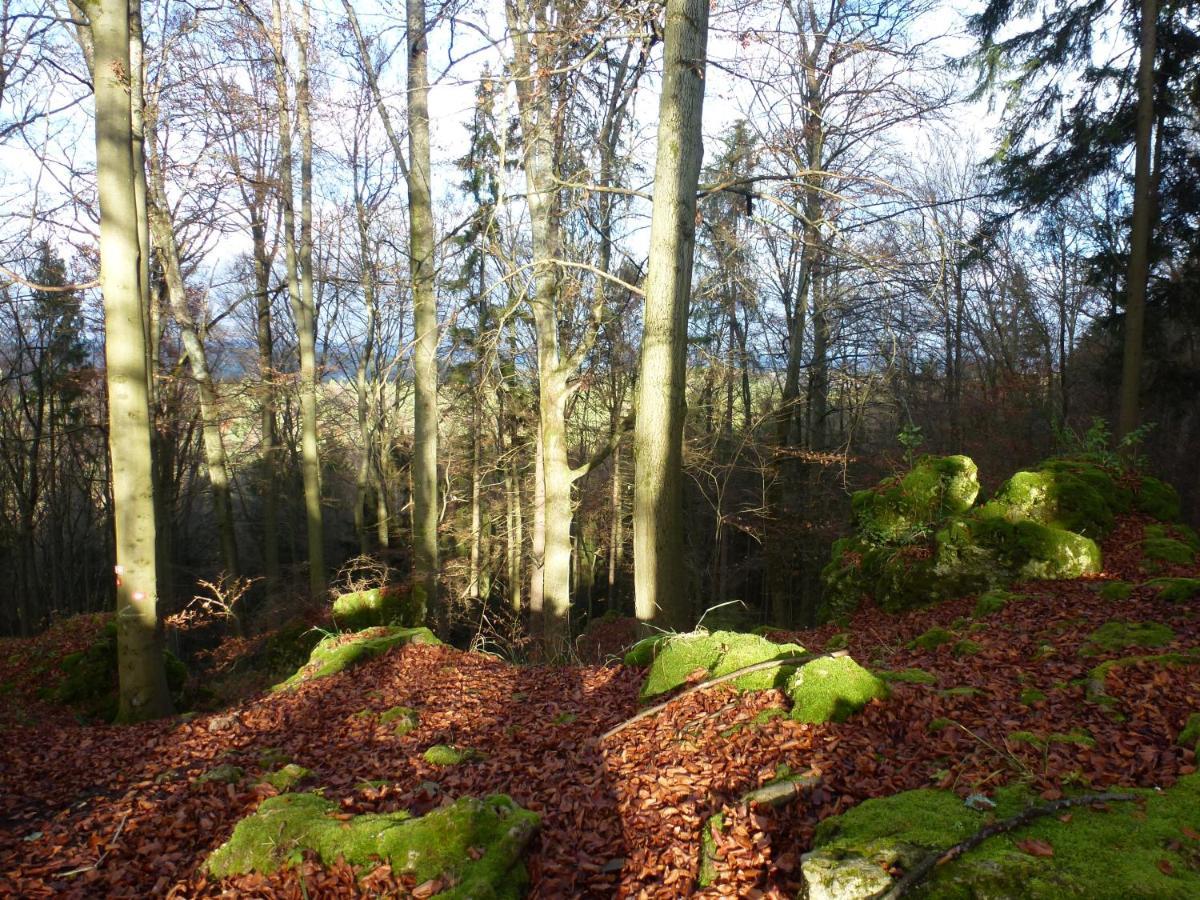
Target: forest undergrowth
column 89, row 810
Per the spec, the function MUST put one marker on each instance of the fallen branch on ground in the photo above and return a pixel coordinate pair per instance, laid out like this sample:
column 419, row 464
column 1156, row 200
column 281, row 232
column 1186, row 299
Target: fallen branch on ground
column 713, row 682
column 921, row 871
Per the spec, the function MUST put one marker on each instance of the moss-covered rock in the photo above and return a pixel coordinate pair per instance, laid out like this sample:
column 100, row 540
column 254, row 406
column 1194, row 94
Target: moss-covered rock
column 1032, row 550
column 899, row 508
column 1157, row 499
column 1175, row 590
column 677, row 658
column 222, row 774
column 1168, row 550
column 377, row 606
column 1117, row 853
column 445, row 755
column 932, row 639
column 1113, row 636
column 338, row 652
column 1070, row 494
column 643, row 652
column 992, row 602
column 832, row 689
column 1116, row 591
column 287, row 777
column 474, row 845
column 403, row 719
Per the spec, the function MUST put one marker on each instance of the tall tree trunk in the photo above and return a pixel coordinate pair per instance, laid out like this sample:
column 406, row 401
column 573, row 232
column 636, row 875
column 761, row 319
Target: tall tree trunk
column 143, row 683
column 266, row 377
column 421, row 270
column 193, row 344
column 615, row 536
column 362, row 377
column 301, row 311
column 660, row 576
column 306, row 326
column 818, row 386
column 1139, row 239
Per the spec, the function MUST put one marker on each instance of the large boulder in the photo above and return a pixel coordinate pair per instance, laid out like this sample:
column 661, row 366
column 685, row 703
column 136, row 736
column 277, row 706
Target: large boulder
column 677, row 659
column 377, row 606
column 473, row 846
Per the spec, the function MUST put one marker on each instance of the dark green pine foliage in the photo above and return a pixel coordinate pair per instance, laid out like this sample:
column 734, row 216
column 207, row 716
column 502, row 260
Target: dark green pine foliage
column 1068, row 127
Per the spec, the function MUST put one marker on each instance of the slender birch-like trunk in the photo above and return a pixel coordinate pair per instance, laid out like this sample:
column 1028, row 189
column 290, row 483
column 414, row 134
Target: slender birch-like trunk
column 143, row 683
column 660, row 575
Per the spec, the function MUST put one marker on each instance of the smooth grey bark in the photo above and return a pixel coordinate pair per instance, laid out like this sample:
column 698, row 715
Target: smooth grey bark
column 425, row 325
column 660, row 575
column 143, row 690
column 1139, row 238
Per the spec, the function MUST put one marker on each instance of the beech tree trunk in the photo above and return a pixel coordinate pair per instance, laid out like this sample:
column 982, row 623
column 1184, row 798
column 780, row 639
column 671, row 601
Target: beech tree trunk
column 425, row 326
column 660, row 575
column 143, row 683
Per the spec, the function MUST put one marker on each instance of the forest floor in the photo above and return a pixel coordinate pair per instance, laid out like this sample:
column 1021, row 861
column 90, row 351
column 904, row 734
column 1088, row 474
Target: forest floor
column 99, row 810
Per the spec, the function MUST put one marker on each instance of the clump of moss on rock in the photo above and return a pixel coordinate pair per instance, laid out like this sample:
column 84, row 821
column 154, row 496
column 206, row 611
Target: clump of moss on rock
column 338, row 652
column 1168, row 550
column 932, row 639
column 676, row 658
column 287, row 777
column 445, row 755
column 1157, row 499
column 1189, row 735
column 1114, row 853
column 475, row 845
column 1112, row 636
column 1116, row 591
column 831, row 689
column 377, row 606
column 1175, row 590
column 222, row 774
column 992, row 602
column 908, row 551
column 403, row 719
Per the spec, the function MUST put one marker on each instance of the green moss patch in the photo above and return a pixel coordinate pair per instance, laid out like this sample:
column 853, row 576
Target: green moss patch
column 1116, row 591
column 286, row 778
column 1189, row 736
column 1112, row 636
column 1114, row 853
column 708, row 850
column 908, row 676
column 967, row 648
column 222, row 774
column 403, row 719
column 1175, row 590
column 992, row 602
column 1158, row 499
column 1168, row 550
column 1078, row 737
column 1030, row 696
column 1098, row 676
column 475, row 845
column 677, row 659
column 378, row 606
column 839, row 641
column 832, row 689
column 339, row 652
column 932, row 639
column 445, row 755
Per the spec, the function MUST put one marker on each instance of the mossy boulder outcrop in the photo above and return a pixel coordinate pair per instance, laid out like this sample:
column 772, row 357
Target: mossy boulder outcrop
column 338, row 652
column 831, row 689
column 677, row 659
column 1116, row 852
column 921, row 538
column 473, row 845
column 377, row 606
column 89, row 680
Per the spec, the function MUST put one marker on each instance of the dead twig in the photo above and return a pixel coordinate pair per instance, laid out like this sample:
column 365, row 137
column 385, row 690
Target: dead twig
column 116, row 836
column 921, row 871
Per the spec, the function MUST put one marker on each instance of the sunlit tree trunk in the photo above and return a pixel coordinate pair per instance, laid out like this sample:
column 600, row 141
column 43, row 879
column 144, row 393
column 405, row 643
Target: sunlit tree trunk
column 362, row 376
column 421, row 270
column 660, row 575
column 266, row 375
column 143, row 684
